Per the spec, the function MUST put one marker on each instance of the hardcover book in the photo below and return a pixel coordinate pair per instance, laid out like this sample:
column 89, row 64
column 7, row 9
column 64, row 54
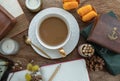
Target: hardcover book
column 7, row 22
column 106, row 32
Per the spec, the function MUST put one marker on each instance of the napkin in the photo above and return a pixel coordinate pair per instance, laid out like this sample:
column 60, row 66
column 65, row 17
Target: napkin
column 112, row 59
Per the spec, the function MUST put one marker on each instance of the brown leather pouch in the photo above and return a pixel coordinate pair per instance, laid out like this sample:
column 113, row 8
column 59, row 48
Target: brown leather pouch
column 106, row 32
column 7, row 22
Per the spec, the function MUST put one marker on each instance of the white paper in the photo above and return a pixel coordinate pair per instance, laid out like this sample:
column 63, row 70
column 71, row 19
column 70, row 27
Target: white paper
column 70, row 71
column 12, row 6
column 17, row 76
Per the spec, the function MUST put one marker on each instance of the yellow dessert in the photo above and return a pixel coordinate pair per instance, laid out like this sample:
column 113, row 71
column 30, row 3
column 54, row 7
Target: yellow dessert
column 84, row 10
column 89, row 16
column 68, row 0
column 28, row 77
column 70, row 5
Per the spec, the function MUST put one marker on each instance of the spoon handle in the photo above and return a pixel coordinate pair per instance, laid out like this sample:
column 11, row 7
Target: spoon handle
column 41, row 50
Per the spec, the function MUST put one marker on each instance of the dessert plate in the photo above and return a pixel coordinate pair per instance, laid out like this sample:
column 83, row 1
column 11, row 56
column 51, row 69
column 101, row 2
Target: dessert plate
column 70, row 45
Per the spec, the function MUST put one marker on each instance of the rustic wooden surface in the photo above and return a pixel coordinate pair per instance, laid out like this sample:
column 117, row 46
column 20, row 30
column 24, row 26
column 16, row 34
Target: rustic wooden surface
column 27, row 54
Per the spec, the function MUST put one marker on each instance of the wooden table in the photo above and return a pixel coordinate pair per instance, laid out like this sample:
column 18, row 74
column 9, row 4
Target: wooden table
column 26, row 53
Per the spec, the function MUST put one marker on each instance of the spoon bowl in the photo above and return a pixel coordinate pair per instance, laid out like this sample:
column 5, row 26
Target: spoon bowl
column 28, row 41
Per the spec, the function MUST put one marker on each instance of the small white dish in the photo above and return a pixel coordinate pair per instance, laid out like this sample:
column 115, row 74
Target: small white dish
column 71, row 44
column 33, row 5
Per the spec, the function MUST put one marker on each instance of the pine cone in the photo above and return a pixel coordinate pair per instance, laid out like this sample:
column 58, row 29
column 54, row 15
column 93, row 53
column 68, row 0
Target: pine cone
column 95, row 63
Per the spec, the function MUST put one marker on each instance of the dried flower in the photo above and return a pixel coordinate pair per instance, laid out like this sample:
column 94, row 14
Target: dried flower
column 32, row 75
column 35, row 68
column 29, row 67
column 28, row 77
column 17, row 66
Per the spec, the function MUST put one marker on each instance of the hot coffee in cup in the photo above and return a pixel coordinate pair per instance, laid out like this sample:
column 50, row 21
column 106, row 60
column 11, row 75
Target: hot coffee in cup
column 53, row 32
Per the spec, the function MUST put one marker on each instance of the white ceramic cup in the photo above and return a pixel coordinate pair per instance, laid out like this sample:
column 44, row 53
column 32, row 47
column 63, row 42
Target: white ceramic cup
column 38, row 27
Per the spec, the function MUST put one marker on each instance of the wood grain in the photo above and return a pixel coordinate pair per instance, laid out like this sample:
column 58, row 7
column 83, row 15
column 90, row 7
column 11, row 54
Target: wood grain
column 27, row 54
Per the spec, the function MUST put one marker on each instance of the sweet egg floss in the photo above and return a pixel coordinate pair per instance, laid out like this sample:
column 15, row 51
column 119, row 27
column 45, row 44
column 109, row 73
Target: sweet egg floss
column 87, row 13
column 70, row 4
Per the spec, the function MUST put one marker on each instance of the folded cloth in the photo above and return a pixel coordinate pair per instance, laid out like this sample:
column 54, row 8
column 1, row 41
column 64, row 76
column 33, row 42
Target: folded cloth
column 112, row 59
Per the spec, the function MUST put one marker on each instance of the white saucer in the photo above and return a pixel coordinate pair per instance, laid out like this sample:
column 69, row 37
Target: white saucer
column 69, row 47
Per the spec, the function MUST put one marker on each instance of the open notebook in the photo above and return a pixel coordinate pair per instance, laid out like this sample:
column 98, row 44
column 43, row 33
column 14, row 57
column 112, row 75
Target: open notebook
column 69, row 71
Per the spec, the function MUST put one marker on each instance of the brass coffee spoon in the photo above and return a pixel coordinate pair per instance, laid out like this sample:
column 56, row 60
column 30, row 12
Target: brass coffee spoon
column 28, row 41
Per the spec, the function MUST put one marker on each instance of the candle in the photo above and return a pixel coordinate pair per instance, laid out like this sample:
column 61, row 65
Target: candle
column 8, row 46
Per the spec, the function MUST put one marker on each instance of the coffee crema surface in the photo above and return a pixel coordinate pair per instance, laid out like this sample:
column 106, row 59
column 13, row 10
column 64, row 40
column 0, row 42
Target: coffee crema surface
column 53, row 31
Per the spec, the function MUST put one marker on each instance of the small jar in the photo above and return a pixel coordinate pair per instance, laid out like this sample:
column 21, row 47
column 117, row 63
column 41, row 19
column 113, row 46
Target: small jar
column 86, row 50
column 8, row 46
column 33, row 5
